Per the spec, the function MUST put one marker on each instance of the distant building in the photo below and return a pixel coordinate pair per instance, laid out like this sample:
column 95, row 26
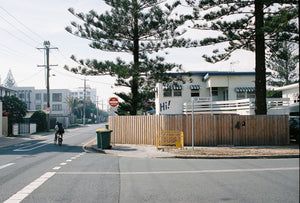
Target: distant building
column 91, row 93
column 5, row 91
column 36, row 99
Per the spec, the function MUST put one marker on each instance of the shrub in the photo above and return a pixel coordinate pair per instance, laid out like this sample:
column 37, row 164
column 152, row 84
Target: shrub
column 39, row 117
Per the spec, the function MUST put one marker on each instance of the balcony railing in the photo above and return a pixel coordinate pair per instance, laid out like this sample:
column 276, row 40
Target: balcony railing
column 242, row 106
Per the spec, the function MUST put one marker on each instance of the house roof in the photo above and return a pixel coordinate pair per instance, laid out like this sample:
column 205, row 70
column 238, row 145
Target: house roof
column 217, row 73
column 6, row 88
column 287, row 87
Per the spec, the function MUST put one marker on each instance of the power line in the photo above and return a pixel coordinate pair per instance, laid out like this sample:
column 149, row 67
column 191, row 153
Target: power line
column 29, row 37
column 11, row 34
column 39, row 36
column 31, row 76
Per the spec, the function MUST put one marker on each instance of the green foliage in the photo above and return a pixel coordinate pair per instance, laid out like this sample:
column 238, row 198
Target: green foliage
column 235, row 20
column 76, row 108
column 283, row 63
column 39, row 117
column 248, row 25
column 145, row 98
column 15, row 109
column 274, row 94
column 137, row 27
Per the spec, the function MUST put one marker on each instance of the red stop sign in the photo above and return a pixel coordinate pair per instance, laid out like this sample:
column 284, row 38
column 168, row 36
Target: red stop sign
column 113, row 101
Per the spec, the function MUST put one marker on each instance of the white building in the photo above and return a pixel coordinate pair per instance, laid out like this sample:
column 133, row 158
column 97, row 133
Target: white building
column 36, row 99
column 211, row 86
column 91, row 93
column 4, row 91
column 292, row 93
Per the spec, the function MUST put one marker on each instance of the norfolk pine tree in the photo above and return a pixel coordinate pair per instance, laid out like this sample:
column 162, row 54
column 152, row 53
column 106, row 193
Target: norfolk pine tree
column 137, row 27
column 247, row 25
column 283, row 63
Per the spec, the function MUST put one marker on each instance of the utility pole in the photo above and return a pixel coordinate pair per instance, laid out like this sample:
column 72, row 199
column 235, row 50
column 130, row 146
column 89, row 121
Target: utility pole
column 84, row 100
column 97, row 110
column 47, row 48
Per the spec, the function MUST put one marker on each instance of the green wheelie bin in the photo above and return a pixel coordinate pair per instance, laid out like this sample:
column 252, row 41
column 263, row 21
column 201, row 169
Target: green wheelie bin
column 103, row 138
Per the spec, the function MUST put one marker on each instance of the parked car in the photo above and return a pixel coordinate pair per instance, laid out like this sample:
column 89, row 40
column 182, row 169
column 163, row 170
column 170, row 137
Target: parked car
column 294, row 128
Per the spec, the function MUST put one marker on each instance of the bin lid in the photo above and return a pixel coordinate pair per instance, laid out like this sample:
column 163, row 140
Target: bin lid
column 103, row 130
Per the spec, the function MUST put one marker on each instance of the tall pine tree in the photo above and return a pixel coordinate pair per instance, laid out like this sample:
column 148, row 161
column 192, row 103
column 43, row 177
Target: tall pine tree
column 247, row 25
column 283, row 63
column 137, row 27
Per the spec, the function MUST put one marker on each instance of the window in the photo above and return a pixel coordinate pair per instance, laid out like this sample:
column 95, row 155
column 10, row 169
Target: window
column 21, row 96
column 168, row 92
column 250, row 95
column 38, row 107
column 240, row 95
column 195, row 93
column 45, row 97
column 56, row 97
column 38, row 96
column 45, row 107
column 214, row 91
column 56, row 107
column 177, row 93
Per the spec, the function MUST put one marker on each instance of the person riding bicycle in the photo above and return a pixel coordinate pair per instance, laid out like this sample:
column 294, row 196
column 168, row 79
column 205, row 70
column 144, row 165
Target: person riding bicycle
column 58, row 130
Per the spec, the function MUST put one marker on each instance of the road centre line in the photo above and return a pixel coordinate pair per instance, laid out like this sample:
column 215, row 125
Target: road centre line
column 180, row 172
column 27, row 190
column 6, row 165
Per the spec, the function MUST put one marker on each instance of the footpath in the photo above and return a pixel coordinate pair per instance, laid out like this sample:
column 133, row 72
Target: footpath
column 8, row 141
column 149, row 151
column 219, row 152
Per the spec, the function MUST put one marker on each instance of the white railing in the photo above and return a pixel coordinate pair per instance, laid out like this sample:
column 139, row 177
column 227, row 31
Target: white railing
column 242, row 106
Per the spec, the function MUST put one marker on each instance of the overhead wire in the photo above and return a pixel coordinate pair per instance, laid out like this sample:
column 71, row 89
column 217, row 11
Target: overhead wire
column 39, row 36
column 34, row 40
column 28, row 36
column 31, row 76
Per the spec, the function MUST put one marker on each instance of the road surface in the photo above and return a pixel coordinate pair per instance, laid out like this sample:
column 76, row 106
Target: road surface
column 39, row 171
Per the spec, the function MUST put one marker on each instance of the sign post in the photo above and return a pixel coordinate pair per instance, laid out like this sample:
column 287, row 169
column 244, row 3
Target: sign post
column 114, row 102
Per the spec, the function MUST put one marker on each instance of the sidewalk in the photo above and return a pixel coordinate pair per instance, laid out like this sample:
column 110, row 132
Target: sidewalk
column 149, row 151
column 7, row 141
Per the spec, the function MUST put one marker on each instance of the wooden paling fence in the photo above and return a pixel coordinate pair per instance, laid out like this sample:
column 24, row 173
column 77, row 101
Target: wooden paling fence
column 209, row 130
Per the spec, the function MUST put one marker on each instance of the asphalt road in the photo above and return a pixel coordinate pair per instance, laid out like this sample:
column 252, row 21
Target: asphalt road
column 39, row 171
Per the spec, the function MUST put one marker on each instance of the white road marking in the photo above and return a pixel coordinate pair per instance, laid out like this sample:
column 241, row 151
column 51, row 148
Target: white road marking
column 27, row 190
column 69, row 160
column 62, row 164
column 6, row 165
column 180, row 172
column 32, row 147
column 56, row 168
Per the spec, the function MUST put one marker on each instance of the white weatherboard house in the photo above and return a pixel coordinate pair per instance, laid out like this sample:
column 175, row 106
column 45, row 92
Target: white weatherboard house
column 212, row 92
column 292, row 93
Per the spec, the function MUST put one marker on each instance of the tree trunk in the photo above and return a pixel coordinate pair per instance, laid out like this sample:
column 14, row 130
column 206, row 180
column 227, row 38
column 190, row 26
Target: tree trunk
column 135, row 76
column 260, row 68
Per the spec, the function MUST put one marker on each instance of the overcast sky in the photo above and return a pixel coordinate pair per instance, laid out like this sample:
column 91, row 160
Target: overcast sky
column 25, row 24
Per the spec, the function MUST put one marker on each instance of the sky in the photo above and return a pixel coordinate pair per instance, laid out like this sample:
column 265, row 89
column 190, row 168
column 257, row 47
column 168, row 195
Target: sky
column 26, row 24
